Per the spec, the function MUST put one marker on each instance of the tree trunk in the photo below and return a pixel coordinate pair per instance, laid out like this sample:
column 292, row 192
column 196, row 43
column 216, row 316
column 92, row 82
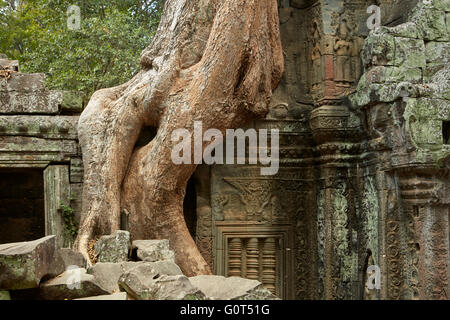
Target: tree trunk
column 214, row 61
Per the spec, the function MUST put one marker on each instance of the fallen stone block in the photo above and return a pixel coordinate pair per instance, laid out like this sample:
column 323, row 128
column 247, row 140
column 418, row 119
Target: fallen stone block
column 72, row 284
column 146, row 268
column 232, row 288
column 162, row 280
column 24, row 264
column 160, row 288
column 113, row 248
column 175, row 288
column 153, row 250
column 107, row 275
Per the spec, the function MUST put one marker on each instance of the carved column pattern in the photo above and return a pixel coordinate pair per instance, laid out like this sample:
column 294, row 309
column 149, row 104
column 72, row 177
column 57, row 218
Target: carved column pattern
column 235, row 258
column 253, row 259
column 303, row 264
column 269, row 264
column 412, row 213
column 393, row 260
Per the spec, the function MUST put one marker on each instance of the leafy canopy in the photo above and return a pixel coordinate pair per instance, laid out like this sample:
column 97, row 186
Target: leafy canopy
column 104, row 52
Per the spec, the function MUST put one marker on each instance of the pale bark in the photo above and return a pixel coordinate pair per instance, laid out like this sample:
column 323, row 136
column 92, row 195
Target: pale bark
column 215, row 61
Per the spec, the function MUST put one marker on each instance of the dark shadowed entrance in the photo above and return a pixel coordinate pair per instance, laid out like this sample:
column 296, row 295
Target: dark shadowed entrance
column 22, row 209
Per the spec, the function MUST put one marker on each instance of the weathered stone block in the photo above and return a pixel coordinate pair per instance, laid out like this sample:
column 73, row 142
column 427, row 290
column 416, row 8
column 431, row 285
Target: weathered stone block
column 437, row 53
column 174, row 288
column 390, row 74
column 16, row 102
column 431, row 24
column 232, row 288
column 440, row 85
column 144, row 283
column 114, row 247
column 24, row 82
column 24, row 264
column 153, row 250
column 138, row 277
column 72, row 284
column 409, row 53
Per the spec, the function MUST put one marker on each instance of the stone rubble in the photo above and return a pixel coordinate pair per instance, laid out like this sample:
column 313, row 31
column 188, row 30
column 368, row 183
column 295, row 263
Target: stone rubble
column 60, row 274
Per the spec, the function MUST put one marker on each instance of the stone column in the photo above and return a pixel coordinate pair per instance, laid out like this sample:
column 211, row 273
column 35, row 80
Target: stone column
column 336, row 132
column 426, row 209
column 57, row 192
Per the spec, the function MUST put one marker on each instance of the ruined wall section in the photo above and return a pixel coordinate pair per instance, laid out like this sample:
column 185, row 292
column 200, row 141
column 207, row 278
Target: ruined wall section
column 404, row 101
column 38, row 131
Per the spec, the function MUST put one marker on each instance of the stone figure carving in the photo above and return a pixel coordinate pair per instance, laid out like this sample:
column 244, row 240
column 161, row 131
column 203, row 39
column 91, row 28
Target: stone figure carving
column 343, row 48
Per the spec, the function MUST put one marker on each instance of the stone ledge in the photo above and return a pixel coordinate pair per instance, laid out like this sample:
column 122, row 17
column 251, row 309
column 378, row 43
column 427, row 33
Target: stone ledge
column 48, row 127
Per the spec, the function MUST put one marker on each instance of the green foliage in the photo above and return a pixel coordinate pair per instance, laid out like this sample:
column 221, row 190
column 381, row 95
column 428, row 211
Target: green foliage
column 104, row 52
column 70, row 225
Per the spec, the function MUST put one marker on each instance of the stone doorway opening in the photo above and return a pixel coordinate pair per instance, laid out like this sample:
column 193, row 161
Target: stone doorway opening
column 22, row 205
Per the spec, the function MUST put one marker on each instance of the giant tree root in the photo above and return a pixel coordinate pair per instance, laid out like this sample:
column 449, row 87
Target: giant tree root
column 215, row 61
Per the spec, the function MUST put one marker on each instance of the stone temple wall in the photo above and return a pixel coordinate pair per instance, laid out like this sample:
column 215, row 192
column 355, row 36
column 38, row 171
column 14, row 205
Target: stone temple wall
column 364, row 124
column 363, row 178
column 403, row 101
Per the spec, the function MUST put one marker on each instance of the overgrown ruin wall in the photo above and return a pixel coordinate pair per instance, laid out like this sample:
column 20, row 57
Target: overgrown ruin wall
column 364, row 126
column 38, row 134
column 353, row 190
